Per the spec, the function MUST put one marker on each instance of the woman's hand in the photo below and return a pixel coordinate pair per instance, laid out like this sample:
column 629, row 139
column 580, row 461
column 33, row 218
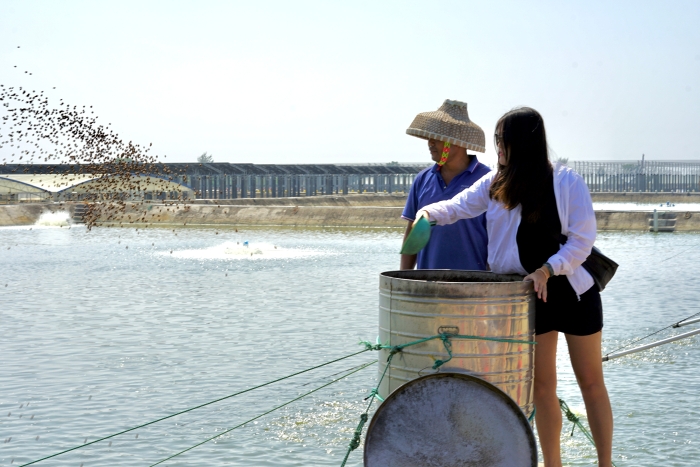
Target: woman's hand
column 539, row 278
column 420, row 214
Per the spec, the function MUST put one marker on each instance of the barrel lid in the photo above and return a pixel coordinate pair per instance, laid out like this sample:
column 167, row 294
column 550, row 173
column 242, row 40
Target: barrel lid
column 449, row 419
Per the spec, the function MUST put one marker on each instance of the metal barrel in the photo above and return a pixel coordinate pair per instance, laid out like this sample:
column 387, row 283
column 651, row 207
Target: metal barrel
column 416, row 304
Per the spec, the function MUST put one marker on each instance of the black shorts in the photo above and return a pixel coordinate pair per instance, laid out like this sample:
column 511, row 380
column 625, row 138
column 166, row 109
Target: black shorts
column 564, row 312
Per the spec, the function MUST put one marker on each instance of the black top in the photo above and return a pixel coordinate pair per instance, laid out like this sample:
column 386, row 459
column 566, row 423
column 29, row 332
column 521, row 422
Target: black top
column 539, row 240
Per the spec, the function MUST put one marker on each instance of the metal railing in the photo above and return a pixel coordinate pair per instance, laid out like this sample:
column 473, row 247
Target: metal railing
column 640, row 176
column 230, row 181
column 226, row 186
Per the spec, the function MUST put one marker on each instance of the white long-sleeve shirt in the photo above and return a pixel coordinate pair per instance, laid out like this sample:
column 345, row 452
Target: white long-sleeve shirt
column 575, row 214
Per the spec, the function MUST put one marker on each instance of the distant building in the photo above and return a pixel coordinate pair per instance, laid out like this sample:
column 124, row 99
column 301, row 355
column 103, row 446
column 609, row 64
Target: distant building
column 84, row 187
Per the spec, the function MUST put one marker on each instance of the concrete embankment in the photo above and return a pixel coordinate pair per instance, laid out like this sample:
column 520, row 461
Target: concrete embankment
column 646, row 198
column 639, row 220
column 24, row 214
column 373, row 210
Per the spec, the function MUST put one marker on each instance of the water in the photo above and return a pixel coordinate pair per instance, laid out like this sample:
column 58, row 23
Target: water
column 661, row 207
column 108, row 329
column 54, row 219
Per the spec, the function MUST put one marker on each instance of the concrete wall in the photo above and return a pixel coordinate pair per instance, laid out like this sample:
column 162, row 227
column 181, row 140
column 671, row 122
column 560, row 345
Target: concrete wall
column 298, row 216
column 23, row 214
column 617, row 220
column 367, row 199
column 371, row 210
column 318, row 211
column 646, row 198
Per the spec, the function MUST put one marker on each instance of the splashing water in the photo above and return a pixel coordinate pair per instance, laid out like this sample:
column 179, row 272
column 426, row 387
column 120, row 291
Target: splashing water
column 54, row 219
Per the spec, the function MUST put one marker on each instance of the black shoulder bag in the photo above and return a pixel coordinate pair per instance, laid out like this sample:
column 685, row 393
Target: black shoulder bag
column 599, row 266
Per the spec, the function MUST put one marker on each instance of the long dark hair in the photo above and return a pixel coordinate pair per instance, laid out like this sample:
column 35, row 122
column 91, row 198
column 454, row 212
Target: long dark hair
column 524, row 178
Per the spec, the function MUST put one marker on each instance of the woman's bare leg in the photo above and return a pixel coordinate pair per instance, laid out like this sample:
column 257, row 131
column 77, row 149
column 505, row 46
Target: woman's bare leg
column 587, row 362
column 548, row 413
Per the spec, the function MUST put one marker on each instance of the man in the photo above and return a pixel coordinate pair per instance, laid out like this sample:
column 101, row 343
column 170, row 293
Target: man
column 462, row 245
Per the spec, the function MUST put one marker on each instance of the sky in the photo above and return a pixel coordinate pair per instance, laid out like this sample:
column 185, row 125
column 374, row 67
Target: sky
column 285, row 82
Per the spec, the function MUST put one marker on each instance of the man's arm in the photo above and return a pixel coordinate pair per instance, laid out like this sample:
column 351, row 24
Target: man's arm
column 408, row 261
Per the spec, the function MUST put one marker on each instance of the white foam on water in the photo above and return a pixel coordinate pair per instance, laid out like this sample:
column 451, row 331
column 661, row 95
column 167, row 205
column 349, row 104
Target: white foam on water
column 54, row 219
column 241, row 251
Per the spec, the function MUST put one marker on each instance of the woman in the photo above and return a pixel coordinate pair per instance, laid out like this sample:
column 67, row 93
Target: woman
column 529, row 205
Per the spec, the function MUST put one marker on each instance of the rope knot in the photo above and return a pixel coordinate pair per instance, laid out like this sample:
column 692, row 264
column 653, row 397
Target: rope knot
column 355, row 443
column 370, row 346
column 372, row 393
column 445, row 338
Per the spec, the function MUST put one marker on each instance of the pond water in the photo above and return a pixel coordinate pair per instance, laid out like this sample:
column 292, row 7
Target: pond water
column 109, row 329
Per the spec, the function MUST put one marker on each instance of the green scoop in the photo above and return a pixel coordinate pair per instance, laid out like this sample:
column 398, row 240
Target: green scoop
column 418, row 237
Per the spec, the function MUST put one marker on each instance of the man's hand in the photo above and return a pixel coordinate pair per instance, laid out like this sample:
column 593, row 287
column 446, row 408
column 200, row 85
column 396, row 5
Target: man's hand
column 408, row 261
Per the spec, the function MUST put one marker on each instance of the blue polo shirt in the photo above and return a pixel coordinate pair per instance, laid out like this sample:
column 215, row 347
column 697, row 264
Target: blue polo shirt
column 462, row 245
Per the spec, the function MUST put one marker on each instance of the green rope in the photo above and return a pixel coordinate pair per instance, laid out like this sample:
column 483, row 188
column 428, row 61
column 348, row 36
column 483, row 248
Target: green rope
column 196, row 407
column 393, row 350
column 356, row 439
column 445, row 337
column 362, row 367
column 576, row 422
column 448, row 347
column 532, row 415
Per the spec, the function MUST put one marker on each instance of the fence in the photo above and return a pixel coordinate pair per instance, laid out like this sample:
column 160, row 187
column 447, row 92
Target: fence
column 640, row 176
column 224, row 186
column 230, row 181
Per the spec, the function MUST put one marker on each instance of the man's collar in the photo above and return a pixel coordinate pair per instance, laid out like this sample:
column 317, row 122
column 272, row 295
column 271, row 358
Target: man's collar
column 472, row 164
column 470, row 168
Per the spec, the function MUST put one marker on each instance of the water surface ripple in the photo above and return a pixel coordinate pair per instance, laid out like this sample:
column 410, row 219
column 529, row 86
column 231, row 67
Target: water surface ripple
column 112, row 328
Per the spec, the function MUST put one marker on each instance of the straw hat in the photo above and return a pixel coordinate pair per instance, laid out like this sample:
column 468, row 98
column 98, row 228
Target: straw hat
column 450, row 123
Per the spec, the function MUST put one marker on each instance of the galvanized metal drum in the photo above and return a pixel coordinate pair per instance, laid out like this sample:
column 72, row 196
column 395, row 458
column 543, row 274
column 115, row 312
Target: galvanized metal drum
column 446, row 420
column 415, row 304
